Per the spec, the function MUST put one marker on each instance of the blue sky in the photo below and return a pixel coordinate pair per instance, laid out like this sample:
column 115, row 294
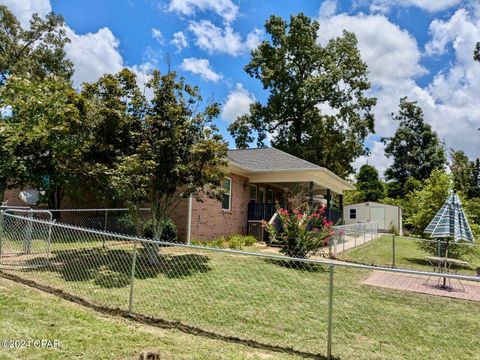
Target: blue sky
column 416, row 48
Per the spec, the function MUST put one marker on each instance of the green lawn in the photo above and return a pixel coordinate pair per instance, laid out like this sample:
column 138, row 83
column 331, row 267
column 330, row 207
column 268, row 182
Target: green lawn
column 85, row 334
column 271, row 302
column 407, row 254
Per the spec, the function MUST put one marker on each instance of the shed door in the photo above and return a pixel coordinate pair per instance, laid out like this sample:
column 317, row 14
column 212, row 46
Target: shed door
column 377, row 214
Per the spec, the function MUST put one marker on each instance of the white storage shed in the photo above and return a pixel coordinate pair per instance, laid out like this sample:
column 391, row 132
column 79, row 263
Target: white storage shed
column 388, row 217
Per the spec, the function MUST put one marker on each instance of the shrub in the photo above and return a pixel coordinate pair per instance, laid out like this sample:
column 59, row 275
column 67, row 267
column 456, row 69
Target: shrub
column 231, row 242
column 169, row 233
column 303, row 233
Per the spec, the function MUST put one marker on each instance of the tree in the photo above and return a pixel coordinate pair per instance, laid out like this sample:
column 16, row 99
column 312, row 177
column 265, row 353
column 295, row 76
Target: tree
column 415, row 148
column 116, row 112
column 461, row 170
column 369, row 185
column 465, row 174
column 180, row 154
column 317, row 108
column 476, row 53
column 35, row 52
column 45, row 134
column 426, row 202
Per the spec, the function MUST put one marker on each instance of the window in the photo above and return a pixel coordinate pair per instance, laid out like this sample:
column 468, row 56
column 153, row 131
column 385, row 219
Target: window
column 253, row 192
column 227, row 197
column 353, row 213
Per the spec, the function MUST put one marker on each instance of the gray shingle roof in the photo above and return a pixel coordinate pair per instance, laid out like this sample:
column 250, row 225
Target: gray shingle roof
column 268, row 159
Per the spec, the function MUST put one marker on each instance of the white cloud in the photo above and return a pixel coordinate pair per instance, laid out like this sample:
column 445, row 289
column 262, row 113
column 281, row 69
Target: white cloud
column 237, row 104
column 327, row 9
column 157, row 35
column 432, row 6
column 200, row 67
column 93, row 54
column 224, row 8
column 213, row 39
column 376, row 158
column 179, row 40
column 23, row 9
column 390, row 52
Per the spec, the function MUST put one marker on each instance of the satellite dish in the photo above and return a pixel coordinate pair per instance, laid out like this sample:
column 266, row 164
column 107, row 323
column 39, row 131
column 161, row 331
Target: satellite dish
column 30, row 197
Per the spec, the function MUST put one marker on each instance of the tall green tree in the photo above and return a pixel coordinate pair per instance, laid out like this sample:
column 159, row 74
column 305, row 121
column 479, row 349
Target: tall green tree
column 317, row 108
column 369, row 185
column 35, row 52
column 415, row 148
column 461, row 171
column 44, row 135
column 115, row 115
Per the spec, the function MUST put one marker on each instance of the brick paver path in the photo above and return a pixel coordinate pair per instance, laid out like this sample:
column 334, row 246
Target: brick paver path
column 418, row 283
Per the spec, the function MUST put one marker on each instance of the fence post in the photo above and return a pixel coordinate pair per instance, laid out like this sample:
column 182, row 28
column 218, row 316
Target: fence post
column 2, row 222
column 364, row 232
column 132, row 276
column 393, row 250
column 27, row 244
column 330, row 313
column 49, row 239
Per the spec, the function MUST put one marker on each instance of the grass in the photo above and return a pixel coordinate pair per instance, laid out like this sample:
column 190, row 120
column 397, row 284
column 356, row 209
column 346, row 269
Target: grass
column 407, row 254
column 271, row 302
column 86, row 334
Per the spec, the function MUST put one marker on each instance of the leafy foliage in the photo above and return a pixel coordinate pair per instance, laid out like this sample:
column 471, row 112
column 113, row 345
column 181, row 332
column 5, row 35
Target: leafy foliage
column 33, row 53
column 415, row 148
column 45, row 134
column 369, row 185
column 303, row 233
column 465, row 174
column 303, row 77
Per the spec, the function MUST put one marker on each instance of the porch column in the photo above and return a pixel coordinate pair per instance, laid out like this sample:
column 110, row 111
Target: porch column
column 310, row 193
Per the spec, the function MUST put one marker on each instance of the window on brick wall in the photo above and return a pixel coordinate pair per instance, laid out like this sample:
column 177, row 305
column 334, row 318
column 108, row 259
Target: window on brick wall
column 227, row 197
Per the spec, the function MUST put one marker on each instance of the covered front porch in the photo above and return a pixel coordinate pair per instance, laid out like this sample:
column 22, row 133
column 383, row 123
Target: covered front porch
column 290, row 189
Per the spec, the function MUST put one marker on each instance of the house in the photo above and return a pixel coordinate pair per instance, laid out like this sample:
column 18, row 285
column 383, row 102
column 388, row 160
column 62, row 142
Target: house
column 257, row 180
column 388, row 217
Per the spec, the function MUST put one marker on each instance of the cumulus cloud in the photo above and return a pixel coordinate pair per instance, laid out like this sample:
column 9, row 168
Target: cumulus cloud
column 214, row 39
column 93, row 54
column 432, row 6
column 327, row 9
column 200, row 67
column 390, row 52
column 23, row 9
column 179, row 40
column 237, row 104
column 376, row 158
column 224, row 8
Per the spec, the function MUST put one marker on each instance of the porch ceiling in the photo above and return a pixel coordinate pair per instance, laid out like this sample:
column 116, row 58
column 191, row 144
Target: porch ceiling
column 322, row 179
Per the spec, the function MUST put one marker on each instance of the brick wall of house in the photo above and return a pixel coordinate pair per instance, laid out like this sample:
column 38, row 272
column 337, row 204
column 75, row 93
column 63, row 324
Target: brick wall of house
column 209, row 220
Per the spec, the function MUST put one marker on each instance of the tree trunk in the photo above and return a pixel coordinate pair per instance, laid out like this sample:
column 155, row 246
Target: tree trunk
column 55, row 197
column 152, row 249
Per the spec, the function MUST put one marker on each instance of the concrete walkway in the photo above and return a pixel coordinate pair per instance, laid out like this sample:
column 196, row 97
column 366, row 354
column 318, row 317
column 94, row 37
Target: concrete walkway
column 349, row 242
column 419, row 284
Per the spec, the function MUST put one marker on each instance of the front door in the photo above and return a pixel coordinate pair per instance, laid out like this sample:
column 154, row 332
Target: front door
column 377, row 214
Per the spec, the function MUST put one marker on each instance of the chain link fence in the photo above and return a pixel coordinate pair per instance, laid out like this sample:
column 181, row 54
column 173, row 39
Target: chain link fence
column 315, row 308
column 116, row 220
